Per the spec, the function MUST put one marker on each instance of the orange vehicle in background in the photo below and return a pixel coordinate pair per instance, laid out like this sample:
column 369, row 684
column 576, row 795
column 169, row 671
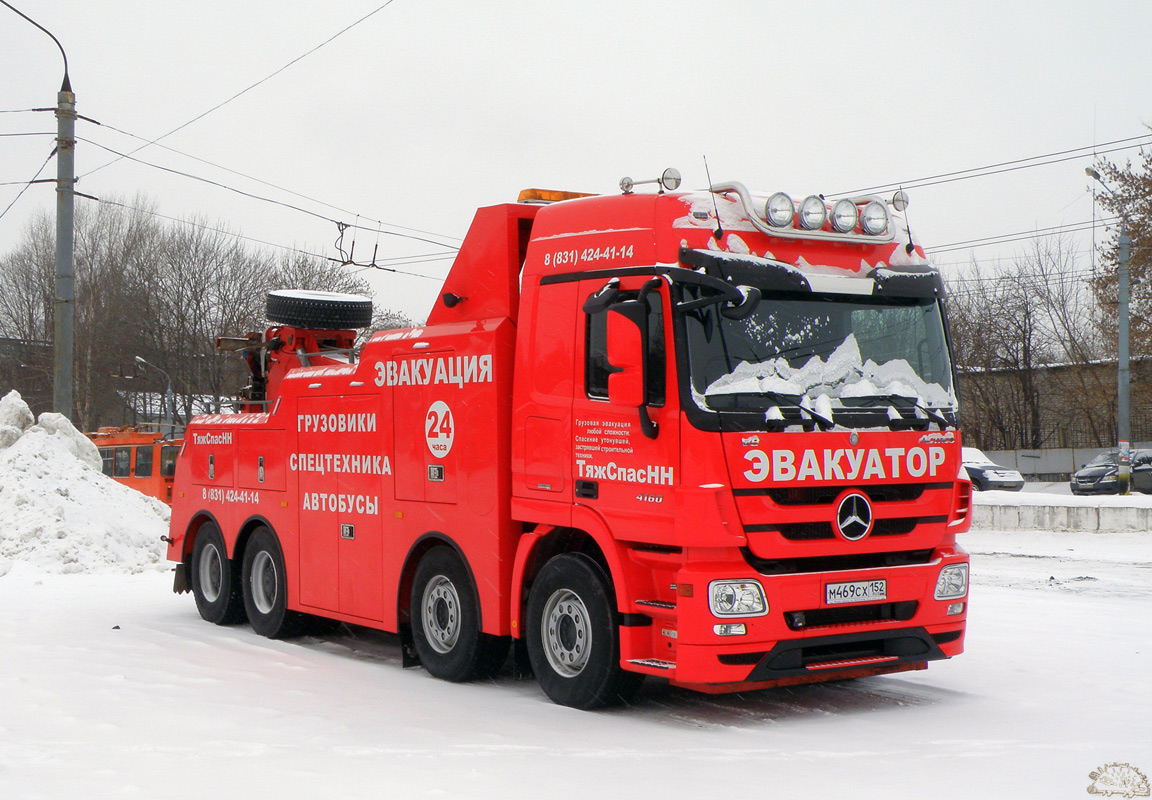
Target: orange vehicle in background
column 140, row 459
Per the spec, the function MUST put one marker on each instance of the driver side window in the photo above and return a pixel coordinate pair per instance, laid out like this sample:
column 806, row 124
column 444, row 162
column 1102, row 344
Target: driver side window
column 596, row 366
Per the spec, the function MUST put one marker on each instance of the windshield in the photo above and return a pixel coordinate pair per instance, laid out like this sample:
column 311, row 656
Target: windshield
column 1105, row 459
column 970, row 455
column 826, row 352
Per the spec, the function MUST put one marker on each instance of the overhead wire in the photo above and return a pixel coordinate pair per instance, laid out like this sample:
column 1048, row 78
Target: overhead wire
column 270, row 184
column 1006, row 238
column 1008, row 166
column 224, row 231
column 247, row 89
column 261, row 198
column 28, row 183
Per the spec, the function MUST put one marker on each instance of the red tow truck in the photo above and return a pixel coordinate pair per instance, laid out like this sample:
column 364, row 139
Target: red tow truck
column 708, row 436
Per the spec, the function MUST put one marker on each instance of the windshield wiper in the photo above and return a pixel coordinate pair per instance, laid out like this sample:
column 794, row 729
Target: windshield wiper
column 766, row 399
column 895, row 401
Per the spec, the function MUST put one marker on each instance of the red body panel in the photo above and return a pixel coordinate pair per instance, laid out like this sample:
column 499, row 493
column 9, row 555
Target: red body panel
column 481, row 430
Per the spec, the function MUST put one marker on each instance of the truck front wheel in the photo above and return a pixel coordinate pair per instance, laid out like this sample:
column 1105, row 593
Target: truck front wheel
column 573, row 635
column 265, row 588
column 215, row 584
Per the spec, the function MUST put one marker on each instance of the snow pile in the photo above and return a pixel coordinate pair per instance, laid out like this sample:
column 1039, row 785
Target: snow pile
column 845, row 374
column 58, row 512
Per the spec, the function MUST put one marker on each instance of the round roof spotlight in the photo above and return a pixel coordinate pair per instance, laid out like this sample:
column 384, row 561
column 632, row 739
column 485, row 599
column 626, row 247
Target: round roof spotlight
column 812, row 213
column 874, row 220
column 779, row 210
column 626, row 185
column 844, row 216
column 670, row 180
column 900, row 200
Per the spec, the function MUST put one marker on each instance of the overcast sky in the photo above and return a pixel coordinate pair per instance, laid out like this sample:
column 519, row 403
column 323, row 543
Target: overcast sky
column 429, row 109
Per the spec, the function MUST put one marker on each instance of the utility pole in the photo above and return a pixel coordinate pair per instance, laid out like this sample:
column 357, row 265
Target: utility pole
column 1123, row 413
column 1122, row 386
column 65, row 306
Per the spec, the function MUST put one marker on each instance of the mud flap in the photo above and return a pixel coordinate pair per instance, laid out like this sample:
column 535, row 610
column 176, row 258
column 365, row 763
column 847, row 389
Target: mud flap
column 180, row 582
column 521, row 664
column 408, row 655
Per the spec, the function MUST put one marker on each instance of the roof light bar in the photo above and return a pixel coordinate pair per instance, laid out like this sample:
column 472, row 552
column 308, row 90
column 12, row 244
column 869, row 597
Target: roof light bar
column 855, row 219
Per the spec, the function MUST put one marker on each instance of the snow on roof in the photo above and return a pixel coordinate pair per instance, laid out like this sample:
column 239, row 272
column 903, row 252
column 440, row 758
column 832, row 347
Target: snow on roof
column 58, row 512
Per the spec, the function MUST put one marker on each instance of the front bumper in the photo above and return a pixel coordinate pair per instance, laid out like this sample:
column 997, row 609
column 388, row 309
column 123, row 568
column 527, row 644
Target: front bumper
column 872, row 649
column 1095, row 488
column 803, row 638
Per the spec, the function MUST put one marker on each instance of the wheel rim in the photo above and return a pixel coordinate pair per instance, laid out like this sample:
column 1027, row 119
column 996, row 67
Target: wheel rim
column 211, row 573
column 440, row 617
column 567, row 633
column 264, row 582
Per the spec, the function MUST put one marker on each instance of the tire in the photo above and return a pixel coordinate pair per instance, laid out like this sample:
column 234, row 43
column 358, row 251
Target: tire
column 327, row 311
column 573, row 632
column 446, row 620
column 265, row 588
column 215, row 584
column 493, row 655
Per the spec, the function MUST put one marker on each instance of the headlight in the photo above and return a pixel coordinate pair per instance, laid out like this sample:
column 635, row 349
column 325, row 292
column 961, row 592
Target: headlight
column 844, row 216
column 1108, row 479
column 737, row 599
column 813, row 213
column 874, row 220
column 779, row 210
column 953, row 582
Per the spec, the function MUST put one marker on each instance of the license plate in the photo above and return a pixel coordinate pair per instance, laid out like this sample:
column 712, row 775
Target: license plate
column 855, row 592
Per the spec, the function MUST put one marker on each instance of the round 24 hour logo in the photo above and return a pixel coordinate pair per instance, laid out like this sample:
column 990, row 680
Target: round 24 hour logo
column 439, row 428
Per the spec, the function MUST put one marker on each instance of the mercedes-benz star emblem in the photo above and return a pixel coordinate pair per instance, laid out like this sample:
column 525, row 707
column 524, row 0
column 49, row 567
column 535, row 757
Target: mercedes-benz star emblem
column 854, row 517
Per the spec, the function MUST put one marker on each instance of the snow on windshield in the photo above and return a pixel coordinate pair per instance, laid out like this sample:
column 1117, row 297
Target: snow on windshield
column 844, row 375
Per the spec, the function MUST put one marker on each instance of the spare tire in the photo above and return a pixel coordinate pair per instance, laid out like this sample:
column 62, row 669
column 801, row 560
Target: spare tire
column 327, row 311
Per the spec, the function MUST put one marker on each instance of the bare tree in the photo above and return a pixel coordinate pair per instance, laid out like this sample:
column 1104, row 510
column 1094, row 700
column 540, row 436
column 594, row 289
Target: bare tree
column 160, row 291
column 1027, row 342
column 1132, row 202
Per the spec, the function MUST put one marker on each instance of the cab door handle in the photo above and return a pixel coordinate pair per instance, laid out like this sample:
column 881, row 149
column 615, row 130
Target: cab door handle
column 589, row 490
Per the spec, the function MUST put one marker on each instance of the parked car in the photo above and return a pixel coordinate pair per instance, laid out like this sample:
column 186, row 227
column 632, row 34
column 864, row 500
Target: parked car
column 1098, row 476
column 986, row 474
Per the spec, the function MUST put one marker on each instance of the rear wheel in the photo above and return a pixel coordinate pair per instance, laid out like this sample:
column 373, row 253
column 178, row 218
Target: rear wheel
column 446, row 620
column 215, row 584
column 265, row 588
column 573, row 635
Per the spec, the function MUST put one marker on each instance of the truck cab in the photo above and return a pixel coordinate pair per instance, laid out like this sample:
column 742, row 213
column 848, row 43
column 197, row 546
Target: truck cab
column 757, row 422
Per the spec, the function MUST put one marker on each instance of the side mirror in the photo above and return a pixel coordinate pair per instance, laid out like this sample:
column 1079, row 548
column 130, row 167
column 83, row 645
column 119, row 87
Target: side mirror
column 603, row 298
column 626, row 349
column 627, row 330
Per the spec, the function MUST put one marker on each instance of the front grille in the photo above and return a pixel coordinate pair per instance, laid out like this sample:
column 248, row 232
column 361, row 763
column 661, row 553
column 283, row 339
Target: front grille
column 898, row 527
column 837, row 563
column 825, row 495
column 806, row 531
column 850, row 615
column 815, row 531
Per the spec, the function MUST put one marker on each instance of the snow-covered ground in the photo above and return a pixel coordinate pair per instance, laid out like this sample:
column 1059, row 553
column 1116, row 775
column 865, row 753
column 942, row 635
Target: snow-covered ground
column 1060, row 494
column 112, row 686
